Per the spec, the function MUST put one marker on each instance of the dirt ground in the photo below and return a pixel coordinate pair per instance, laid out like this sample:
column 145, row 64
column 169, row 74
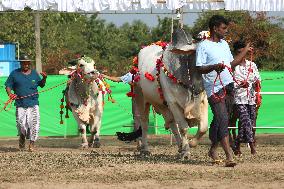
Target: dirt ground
column 59, row 163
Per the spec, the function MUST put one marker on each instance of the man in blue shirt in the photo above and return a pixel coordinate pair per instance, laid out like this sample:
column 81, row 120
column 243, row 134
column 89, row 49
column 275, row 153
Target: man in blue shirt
column 212, row 55
column 24, row 82
column 127, row 79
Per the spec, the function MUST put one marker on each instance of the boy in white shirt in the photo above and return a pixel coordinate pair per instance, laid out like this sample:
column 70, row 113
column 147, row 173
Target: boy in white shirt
column 245, row 99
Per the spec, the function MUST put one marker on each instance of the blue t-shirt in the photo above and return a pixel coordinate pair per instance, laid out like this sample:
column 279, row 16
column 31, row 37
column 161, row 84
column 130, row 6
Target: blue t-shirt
column 24, row 85
column 210, row 53
column 127, row 78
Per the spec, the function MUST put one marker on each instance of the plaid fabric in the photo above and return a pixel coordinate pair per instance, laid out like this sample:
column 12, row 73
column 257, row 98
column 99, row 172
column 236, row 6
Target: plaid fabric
column 247, row 118
column 222, row 110
column 28, row 121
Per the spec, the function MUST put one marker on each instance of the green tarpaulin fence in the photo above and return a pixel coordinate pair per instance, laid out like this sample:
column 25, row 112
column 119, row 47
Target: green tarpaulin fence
column 118, row 116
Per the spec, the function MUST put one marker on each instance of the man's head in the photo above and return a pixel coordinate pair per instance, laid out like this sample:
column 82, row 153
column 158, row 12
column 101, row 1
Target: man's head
column 25, row 63
column 218, row 26
column 238, row 46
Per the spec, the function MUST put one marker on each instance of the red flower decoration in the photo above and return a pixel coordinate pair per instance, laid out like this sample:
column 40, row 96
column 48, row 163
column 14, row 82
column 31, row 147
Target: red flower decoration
column 134, row 70
column 171, row 76
column 149, row 76
column 136, row 78
column 164, row 45
column 130, row 94
column 135, row 60
column 159, row 62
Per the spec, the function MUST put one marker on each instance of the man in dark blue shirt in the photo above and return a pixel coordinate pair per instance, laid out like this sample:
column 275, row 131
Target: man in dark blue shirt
column 24, row 82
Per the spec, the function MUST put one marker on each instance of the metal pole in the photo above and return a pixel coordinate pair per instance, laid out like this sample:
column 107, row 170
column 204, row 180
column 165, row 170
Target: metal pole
column 18, row 50
column 37, row 41
column 272, row 93
column 172, row 27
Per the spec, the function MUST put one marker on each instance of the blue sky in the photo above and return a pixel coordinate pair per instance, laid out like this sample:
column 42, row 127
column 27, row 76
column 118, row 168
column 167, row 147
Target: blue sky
column 152, row 20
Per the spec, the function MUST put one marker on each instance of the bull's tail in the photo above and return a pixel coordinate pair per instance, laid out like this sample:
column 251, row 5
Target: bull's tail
column 129, row 136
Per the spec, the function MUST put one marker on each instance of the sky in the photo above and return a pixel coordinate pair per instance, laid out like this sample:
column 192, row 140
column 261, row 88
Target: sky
column 152, row 19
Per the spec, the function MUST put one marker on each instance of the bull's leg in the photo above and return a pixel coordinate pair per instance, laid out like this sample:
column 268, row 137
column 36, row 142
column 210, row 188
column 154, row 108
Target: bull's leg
column 170, row 123
column 137, row 119
column 183, row 126
column 96, row 137
column 203, row 123
column 96, row 118
column 82, row 128
column 84, row 136
column 142, row 109
column 144, row 118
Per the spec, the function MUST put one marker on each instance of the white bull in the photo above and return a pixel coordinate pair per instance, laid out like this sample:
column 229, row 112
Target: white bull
column 86, row 101
column 181, row 107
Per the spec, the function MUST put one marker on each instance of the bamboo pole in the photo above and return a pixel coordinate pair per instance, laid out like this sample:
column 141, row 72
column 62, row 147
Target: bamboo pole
column 37, row 41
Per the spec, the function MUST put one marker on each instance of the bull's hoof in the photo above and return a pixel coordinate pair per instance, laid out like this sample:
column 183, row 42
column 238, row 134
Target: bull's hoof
column 193, row 142
column 184, row 156
column 139, row 145
column 183, row 152
column 90, row 145
column 84, row 145
column 96, row 144
column 145, row 153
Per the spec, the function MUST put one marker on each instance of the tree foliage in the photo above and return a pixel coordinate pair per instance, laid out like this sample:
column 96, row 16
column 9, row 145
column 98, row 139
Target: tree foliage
column 67, row 35
column 266, row 37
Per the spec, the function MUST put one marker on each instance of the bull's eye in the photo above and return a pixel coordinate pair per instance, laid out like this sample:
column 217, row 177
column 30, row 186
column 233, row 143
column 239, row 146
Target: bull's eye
column 92, row 72
column 81, row 65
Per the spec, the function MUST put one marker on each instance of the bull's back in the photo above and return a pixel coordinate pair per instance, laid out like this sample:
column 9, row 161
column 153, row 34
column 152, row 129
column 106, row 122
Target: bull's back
column 147, row 58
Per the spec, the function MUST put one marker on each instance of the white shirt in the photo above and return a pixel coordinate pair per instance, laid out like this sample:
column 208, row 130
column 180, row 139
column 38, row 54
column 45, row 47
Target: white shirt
column 210, row 53
column 246, row 95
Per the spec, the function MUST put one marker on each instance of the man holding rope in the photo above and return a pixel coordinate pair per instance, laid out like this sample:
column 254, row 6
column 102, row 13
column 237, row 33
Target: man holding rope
column 24, row 82
column 213, row 55
column 128, row 79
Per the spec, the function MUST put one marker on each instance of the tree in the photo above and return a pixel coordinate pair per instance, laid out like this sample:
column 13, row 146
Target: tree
column 63, row 37
column 266, row 37
column 19, row 27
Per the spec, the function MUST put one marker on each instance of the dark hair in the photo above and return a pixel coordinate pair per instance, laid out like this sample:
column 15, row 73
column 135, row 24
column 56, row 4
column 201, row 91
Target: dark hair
column 238, row 45
column 217, row 20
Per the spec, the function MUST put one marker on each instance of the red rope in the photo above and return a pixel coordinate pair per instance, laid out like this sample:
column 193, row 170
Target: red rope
column 235, row 80
column 10, row 101
column 223, row 88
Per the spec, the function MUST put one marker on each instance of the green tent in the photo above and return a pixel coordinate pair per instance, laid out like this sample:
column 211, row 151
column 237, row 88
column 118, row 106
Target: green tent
column 118, row 116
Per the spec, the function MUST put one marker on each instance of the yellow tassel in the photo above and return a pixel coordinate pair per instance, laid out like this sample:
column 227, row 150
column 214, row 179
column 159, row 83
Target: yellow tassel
column 111, row 99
